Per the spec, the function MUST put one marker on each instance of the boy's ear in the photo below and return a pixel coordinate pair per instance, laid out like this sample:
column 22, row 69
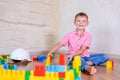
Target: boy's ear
column 74, row 22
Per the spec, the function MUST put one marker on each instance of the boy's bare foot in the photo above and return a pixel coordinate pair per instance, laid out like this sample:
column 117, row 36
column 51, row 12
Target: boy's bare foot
column 91, row 69
column 89, row 63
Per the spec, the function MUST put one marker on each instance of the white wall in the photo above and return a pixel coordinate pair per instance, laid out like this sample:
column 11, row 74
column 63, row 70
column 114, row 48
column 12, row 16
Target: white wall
column 29, row 24
column 104, row 17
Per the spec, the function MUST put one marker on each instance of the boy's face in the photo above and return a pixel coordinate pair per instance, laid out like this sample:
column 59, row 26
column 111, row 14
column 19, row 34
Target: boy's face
column 81, row 22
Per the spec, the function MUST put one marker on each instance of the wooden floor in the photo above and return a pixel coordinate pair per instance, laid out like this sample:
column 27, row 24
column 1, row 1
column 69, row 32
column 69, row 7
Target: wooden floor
column 101, row 74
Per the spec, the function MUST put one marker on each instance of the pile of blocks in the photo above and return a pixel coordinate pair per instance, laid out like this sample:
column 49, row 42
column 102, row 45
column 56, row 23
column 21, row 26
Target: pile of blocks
column 46, row 72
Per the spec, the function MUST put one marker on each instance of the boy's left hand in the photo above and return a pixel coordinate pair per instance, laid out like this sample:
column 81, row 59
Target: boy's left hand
column 70, row 57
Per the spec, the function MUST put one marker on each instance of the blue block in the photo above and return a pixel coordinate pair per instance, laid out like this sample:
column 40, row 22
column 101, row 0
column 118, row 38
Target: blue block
column 48, row 69
column 61, row 68
column 6, row 66
column 69, row 67
column 52, row 68
column 78, row 78
column 56, row 68
column 15, row 67
column 41, row 58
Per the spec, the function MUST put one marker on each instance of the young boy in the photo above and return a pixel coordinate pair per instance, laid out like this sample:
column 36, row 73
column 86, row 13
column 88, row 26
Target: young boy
column 78, row 42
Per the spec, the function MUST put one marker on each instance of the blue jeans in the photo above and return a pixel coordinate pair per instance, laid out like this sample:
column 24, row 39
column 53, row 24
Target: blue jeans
column 96, row 59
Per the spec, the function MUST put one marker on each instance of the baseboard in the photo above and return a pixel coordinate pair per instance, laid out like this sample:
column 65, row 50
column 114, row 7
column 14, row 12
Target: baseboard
column 64, row 51
column 114, row 56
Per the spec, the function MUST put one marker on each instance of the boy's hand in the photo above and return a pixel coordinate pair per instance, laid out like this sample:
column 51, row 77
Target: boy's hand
column 49, row 54
column 70, row 57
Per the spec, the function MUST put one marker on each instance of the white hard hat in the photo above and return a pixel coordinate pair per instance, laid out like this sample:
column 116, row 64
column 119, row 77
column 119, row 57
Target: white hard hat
column 20, row 54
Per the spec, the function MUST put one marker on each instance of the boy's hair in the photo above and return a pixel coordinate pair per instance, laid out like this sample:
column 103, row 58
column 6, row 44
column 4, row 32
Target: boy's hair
column 81, row 14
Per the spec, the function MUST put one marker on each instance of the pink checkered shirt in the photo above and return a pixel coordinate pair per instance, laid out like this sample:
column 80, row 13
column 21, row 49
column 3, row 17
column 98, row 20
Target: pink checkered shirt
column 75, row 42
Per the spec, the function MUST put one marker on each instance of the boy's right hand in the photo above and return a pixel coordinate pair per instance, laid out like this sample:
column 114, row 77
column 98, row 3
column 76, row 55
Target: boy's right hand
column 49, row 54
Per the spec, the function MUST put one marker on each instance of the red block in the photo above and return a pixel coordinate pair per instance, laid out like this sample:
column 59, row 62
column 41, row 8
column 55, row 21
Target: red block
column 4, row 56
column 112, row 63
column 35, row 58
column 37, row 67
column 39, row 70
column 42, row 73
column 62, row 59
column 43, row 67
column 50, row 58
column 37, row 73
column 61, row 74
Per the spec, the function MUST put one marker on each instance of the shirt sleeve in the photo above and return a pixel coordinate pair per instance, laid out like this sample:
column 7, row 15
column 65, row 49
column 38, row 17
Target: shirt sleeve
column 88, row 41
column 65, row 40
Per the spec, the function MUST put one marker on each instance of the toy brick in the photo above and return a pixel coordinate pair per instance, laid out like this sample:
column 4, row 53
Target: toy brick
column 61, row 74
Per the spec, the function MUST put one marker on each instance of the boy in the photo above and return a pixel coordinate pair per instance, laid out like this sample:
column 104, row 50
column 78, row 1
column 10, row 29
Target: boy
column 78, row 43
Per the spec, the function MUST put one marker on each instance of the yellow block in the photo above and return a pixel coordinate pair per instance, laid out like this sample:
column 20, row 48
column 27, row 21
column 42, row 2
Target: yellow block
column 79, row 73
column 56, row 75
column 47, row 74
column 52, row 75
column 108, row 64
column 66, row 68
column 1, row 56
column 48, row 61
column 1, row 68
column 31, row 73
column 70, row 74
column 32, row 78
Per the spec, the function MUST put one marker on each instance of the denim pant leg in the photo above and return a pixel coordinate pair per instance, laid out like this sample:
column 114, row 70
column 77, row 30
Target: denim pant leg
column 98, row 59
column 83, row 61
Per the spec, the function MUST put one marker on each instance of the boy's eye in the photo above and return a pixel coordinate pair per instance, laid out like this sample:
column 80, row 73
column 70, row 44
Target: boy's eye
column 84, row 21
column 78, row 20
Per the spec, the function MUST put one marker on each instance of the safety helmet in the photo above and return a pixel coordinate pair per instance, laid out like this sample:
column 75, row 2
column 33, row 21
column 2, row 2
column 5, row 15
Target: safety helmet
column 20, row 54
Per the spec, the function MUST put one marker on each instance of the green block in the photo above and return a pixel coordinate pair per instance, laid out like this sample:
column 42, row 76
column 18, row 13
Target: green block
column 53, row 55
column 80, row 68
column 11, row 67
column 75, row 73
column 27, row 78
column 61, row 78
column 2, row 61
column 27, row 75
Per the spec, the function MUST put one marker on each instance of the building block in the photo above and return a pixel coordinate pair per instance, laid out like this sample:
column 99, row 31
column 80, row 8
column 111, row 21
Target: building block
column 53, row 55
column 109, row 64
column 34, row 58
column 1, row 56
column 48, row 61
column 10, row 66
column 61, row 74
column 27, row 74
column 2, row 61
column 62, row 59
column 61, row 68
column 78, row 78
column 50, row 58
column 39, row 70
column 31, row 78
column 6, row 66
column 41, row 58
column 15, row 67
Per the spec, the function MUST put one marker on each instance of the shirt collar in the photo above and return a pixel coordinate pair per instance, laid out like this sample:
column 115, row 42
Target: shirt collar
column 76, row 33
